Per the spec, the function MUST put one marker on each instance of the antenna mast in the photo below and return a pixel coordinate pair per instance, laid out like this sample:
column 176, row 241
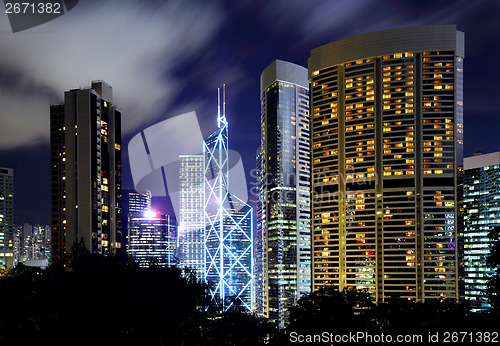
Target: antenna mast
column 224, row 102
column 218, row 107
column 221, row 120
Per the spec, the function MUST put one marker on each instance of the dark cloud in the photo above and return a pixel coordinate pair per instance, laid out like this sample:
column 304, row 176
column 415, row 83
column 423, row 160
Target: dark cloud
column 132, row 46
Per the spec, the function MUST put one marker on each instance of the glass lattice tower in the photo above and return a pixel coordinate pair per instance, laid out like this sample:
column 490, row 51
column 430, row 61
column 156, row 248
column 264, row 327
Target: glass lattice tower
column 191, row 216
column 387, row 121
column 482, row 214
column 284, row 190
column 228, row 228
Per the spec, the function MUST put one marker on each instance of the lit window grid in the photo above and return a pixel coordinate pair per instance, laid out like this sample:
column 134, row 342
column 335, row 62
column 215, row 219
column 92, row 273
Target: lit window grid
column 398, row 116
column 318, row 144
column 482, row 213
column 399, row 261
column 191, row 219
column 325, row 159
column 438, row 112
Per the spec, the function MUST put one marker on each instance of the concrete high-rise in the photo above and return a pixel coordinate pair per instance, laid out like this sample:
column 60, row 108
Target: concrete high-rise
column 191, row 215
column 85, row 135
column 284, row 214
column 387, row 139
column 481, row 184
column 6, row 218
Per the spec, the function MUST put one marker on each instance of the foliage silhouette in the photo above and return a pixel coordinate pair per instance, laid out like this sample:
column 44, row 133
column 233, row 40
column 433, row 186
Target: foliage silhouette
column 98, row 300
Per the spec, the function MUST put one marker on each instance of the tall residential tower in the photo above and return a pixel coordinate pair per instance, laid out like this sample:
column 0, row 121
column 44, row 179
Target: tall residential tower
column 85, row 137
column 387, row 139
column 283, row 224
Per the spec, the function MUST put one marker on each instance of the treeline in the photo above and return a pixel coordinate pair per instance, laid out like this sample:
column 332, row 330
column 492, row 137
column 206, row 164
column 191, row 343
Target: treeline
column 101, row 301
column 95, row 300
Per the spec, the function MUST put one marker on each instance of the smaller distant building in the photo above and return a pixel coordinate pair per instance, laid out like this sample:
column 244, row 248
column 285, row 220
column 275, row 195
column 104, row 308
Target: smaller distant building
column 6, row 217
column 152, row 239
column 481, row 215
column 134, row 204
column 31, row 243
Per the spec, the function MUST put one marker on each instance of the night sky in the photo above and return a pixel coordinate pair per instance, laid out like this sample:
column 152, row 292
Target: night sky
column 165, row 58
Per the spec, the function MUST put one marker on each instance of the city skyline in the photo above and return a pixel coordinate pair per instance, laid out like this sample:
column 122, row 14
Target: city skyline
column 240, row 69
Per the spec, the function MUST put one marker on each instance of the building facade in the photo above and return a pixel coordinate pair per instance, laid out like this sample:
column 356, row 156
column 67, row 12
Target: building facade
column 481, row 184
column 284, row 219
column 387, row 139
column 191, row 215
column 6, row 218
column 135, row 202
column 152, row 239
column 228, row 228
column 85, row 136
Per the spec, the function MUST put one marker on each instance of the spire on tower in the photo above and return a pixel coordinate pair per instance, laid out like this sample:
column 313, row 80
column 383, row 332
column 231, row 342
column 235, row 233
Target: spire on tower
column 221, row 120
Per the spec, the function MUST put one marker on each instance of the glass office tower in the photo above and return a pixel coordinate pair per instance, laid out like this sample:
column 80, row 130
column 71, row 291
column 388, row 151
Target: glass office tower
column 284, row 191
column 152, row 239
column 482, row 214
column 134, row 204
column 228, row 228
column 191, row 217
column 387, row 139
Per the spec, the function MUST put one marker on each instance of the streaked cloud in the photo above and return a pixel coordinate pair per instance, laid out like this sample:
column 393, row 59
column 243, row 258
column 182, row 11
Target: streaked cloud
column 134, row 46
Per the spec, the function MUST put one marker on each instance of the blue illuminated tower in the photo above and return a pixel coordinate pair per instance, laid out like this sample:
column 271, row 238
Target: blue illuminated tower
column 228, row 223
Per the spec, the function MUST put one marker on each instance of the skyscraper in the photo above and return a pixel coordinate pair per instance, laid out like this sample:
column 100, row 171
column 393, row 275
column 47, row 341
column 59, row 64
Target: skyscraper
column 228, row 232
column 284, row 217
column 85, row 135
column 482, row 214
column 191, row 216
column 152, row 239
column 6, row 217
column 387, row 139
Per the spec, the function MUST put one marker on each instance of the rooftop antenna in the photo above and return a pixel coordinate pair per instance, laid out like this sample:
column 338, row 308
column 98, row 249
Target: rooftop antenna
column 218, row 108
column 221, row 120
column 224, row 102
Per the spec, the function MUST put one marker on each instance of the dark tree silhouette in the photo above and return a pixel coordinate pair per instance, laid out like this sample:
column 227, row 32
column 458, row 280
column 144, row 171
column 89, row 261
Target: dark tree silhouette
column 97, row 300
